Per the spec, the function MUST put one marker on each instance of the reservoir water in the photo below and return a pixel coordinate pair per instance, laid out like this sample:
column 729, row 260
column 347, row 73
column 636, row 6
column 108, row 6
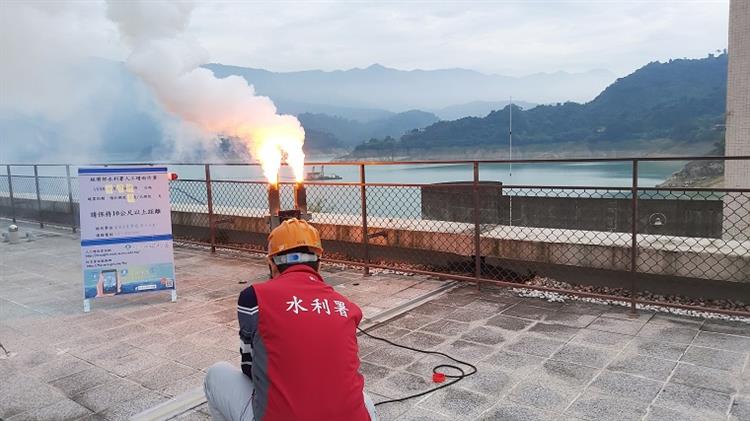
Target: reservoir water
column 609, row 174
column 390, row 202
column 405, row 202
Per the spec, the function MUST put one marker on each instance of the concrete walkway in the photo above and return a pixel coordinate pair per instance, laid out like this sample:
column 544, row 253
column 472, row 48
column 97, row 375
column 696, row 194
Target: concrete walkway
column 536, row 360
column 557, row 361
column 561, row 361
column 131, row 352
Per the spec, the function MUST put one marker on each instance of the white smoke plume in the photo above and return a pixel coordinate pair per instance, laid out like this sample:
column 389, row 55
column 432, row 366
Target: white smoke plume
column 58, row 88
column 168, row 60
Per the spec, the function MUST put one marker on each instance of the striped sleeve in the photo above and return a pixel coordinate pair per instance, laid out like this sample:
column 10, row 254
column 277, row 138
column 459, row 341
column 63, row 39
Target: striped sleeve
column 247, row 314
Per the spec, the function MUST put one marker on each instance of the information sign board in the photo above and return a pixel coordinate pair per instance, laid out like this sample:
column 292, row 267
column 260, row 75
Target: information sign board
column 126, row 231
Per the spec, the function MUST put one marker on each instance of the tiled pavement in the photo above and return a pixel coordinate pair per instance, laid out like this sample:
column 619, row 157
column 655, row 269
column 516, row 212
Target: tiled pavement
column 536, row 360
column 131, row 352
column 553, row 361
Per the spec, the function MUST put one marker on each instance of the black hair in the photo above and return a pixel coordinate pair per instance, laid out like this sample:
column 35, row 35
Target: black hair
column 284, row 267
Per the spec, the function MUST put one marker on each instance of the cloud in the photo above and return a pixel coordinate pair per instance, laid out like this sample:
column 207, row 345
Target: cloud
column 500, row 36
column 41, row 48
column 168, row 60
column 62, row 91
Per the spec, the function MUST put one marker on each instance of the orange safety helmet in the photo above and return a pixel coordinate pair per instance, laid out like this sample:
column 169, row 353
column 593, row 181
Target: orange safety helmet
column 291, row 234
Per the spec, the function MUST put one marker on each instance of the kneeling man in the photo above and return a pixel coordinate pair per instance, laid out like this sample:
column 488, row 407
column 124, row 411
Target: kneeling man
column 298, row 343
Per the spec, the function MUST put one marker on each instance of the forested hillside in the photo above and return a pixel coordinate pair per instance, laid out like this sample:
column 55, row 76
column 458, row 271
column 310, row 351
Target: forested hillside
column 680, row 102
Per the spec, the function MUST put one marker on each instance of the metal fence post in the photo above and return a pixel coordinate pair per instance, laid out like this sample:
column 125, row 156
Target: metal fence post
column 10, row 191
column 477, row 245
column 365, row 232
column 70, row 199
column 38, row 197
column 634, row 237
column 210, row 203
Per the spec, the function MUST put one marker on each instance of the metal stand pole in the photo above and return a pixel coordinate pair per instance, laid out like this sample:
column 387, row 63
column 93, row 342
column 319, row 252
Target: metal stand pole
column 365, row 231
column 210, row 203
column 634, row 238
column 477, row 240
column 38, row 197
column 70, row 200
column 10, row 191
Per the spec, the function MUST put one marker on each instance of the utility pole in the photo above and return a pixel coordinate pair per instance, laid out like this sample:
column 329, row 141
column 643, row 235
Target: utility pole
column 510, row 154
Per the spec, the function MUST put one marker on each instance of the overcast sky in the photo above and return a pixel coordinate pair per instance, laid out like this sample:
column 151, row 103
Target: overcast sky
column 512, row 37
column 45, row 46
column 509, row 37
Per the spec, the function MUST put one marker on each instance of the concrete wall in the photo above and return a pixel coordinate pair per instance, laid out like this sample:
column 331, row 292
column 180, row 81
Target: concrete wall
column 455, row 202
column 737, row 173
column 690, row 218
column 658, row 255
column 414, row 240
column 53, row 211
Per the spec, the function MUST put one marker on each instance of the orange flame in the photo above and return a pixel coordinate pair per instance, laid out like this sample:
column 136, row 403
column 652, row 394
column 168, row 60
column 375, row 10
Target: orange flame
column 277, row 145
column 269, row 155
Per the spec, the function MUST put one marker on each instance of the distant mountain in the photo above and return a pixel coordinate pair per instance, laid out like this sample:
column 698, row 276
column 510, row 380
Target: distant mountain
column 477, row 109
column 381, row 87
column 351, row 133
column 322, row 141
column 111, row 117
column 658, row 108
column 364, row 115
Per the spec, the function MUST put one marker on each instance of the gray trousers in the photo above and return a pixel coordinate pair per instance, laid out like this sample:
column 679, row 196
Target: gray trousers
column 229, row 393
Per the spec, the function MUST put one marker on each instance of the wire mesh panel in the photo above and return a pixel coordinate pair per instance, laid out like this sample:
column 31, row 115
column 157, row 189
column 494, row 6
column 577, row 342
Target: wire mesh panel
column 4, row 183
column 240, row 211
column 238, row 198
column 486, row 229
column 25, row 204
column 7, row 205
column 53, row 188
column 188, row 196
column 548, row 231
column 335, row 210
column 403, row 232
column 24, row 187
column 189, row 203
column 40, row 195
column 74, row 187
column 736, row 222
column 286, row 196
column 396, row 202
column 694, row 234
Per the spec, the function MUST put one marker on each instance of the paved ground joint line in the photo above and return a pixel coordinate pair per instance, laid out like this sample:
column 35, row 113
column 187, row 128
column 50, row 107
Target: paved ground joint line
column 601, row 370
column 671, row 373
column 194, row 398
column 736, row 394
column 212, row 297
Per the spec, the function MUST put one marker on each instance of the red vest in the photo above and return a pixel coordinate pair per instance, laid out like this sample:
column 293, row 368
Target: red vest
column 309, row 335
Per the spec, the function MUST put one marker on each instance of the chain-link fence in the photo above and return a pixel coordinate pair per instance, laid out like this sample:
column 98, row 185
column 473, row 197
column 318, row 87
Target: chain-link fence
column 626, row 238
column 40, row 193
column 714, row 243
